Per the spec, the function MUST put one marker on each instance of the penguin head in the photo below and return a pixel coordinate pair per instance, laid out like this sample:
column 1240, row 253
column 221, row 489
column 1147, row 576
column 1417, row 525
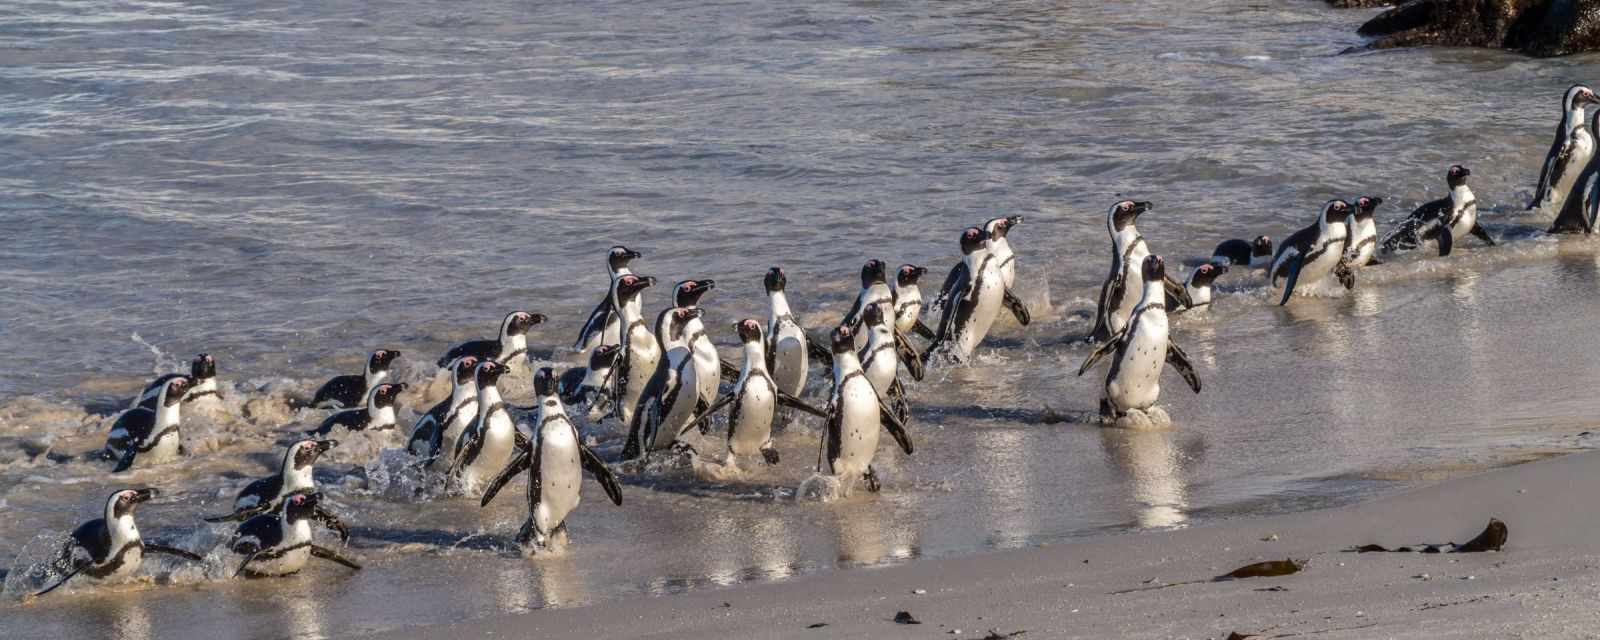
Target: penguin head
column 304, row 453
column 1335, row 212
column 872, row 316
column 519, row 322
column 384, row 395
column 630, row 285
column 604, row 356
column 999, row 227
column 844, row 340
column 1579, row 95
column 381, row 359
column 1124, row 213
column 490, row 371
column 463, row 368
column 1154, row 268
column 908, row 275
column 1261, row 246
column 1205, row 274
column 749, row 330
column 123, row 503
column 971, row 240
column 687, row 293
column 204, row 367
column 300, row 506
column 620, row 256
column 544, row 382
column 1365, row 205
column 872, row 273
column 1457, row 175
column 176, row 388
column 775, row 280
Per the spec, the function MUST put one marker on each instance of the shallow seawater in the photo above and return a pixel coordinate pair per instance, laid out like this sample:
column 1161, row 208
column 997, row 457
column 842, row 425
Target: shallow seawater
column 288, row 186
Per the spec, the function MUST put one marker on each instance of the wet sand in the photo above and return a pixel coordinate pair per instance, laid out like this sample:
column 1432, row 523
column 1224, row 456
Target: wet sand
column 1542, row 585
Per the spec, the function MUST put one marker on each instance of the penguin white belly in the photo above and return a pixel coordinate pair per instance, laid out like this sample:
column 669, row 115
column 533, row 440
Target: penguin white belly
column 290, row 562
column 906, row 316
column 754, row 429
column 1314, row 271
column 984, row 310
column 499, row 443
column 789, row 360
column 1365, row 244
column 1136, row 381
column 683, row 406
column 458, row 425
column 203, row 398
column 1582, row 151
column 612, row 334
column 858, row 428
column 881, row 369
column 166, row 450
column 1464, row 222
column 131, row 562
column 559, row 477
column 643, row 354
column 1007, row 260
column 708, row 370
column 1132, row 287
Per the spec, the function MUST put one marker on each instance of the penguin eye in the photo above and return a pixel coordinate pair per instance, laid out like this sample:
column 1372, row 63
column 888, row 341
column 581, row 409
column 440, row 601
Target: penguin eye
column 1124, row 206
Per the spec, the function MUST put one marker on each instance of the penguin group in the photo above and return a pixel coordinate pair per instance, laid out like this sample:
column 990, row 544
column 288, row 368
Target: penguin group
column 653, row 381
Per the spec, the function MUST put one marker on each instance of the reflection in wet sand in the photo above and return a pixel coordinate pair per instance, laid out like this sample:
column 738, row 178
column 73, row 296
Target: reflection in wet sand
column 1003, row 455
column 1151, row 467
column 866, row 538
column 560, row 582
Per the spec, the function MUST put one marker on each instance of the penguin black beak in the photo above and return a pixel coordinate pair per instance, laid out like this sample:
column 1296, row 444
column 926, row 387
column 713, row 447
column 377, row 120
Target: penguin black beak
column 1141, row 208
column 632, row 255
column 1465, row 172
column 1013, row 221
column 144, row 495
column 705, row 285
column 324, row 445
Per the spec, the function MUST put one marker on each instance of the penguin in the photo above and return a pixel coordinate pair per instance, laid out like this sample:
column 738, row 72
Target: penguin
column 874, row 291
column 343, row 392
column 1443, row 220
column 1569, row 154
column 1314, row 252
column 279, row 543
column 1198, row 286
column 1123, row 286
column 1364, row 233
column 756, row 398
column 294, row 476
column 110, row 547
column 707, row 362
column 555, row 463
column 150, row 436
column 880, row 361
column 588, row 389
column 787, row 344
column 435, row 434
column 512, row 343
column 969, row 300
column 604, row 325
column 1142, row 348
column 202, row 384
column 994, row 239
column 1588, row 200
column 493, row 438
column 1256, row 254
column 855, row 414
column 668, row 407
column 377, row 415
column 637, row 357
column 908, row 302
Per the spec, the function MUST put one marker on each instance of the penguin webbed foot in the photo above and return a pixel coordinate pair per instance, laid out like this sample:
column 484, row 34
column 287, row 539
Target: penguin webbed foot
column 332, row 522
column 770, row 455
column 1018, row 309
column 871, row 478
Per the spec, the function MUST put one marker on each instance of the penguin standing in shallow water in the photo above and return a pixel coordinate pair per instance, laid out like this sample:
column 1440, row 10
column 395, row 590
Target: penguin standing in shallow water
column 1586, row 200
column 555, row 464
column 855, row 414
column 202, row 393
column 294, row 476
column 489, row 444
column 1570, row 153
column 1315, row 252
column 510, row 348
column 343, row 392
column 435, row 434
column 1255, row 254
column 787, row 345
column 636, row 361
column 880, row 361
column 994, row 239
column 1199, row 285
column 1364, row 234
column 669, row 405
column 908, row 302
column 756, row 398
column 707, row 362
column 377, row 415
column 969, row 300
column 1123, row 286
column 279, row 544
column 110, row 547
column 1142, row 349
column 604, row 325
column 149, row 436
column 1444, row 220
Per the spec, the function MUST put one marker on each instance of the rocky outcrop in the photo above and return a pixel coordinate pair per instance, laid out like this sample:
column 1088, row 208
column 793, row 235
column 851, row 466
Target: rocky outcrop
column 1360, row 4
column 1535, row 27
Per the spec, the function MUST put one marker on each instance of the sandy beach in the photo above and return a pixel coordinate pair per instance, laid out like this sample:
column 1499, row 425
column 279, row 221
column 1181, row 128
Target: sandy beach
column 1542, row 585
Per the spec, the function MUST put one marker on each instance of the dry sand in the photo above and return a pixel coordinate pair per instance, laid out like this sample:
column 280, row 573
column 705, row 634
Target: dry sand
column 1544, row 584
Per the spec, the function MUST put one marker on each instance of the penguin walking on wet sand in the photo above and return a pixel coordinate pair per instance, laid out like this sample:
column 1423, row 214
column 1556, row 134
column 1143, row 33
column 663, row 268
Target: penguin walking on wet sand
column 588, row 389
column 202, row 385
column 110, row 547
column 435, row 434
column 994, row 239
column 1569, row 154
column 149, row 436
column 604, row 325
column 1255, row 254
column 1199, row 286
column 377, row 415
column 1123, row 287
column 874, row 292
column 670, row 404
column 855, row 414
column 756, row 398
column 1585, row 203
column 969, row 300
column 639, row 352
column 1315, row 252
column 908, row 302
column 279, row 543
column 492, row 439
column 509, row 349
column 707, row 362
column 1444, row 220
column 347, row 391
column 294, row 476
column 555, row 463
column 1142, row 348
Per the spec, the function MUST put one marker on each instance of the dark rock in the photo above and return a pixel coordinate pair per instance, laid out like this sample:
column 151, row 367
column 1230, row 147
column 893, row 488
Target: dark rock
column 905, row 617
column 1360, row 4
column 1535, row 27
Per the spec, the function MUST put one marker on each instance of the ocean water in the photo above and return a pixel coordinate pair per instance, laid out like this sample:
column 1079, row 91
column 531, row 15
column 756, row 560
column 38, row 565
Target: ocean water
column 287, row 186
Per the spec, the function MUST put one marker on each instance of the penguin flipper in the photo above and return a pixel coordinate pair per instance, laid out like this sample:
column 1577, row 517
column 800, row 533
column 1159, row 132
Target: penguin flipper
column 332, row 556
column 128, row 455
column 795, row 403
column 332, row 522
column 1101, row 350
column 242, row 514
column 521, row 462
column 895, row 427
column 602, row 474
column 1176, row 291
column 702, row 418
column 595, row 324
column 908, row 355
column 1447, row 241
column 1345, row 274
column 1295, row 263
column 922, row 330
column 818, row 352
column 247, row 560
column 152, row 547
column 828, row 444
column 64, row 578
column 730, row 373
column 1180, row 361
column 1482, row 234
column 1018, row 309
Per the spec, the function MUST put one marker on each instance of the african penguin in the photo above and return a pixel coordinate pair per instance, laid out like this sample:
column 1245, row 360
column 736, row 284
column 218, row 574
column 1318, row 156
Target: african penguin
column 969, row 300
column 874, row 291
column 1569, row 154
column 1199, row 285
column 787, row 346
column 1364, row 233
column 604, row 325
column 756, row 398
column 279, row 543
column 109, row 547
column 1142, row 348
column 434, row 436
column 377, row 414
column 880, row 361
column 668, row 407
column 1313, row 253
column 294, row 476
column 147, row 435
column 202, row 384
column 509, row 349
column 1256, row 254
column 1444, row 220
column 707, row 362
column 347, row 391
column 1123, row 287
column 555, row 463
column 908, row 302
column 588, row 389
column 994, row 239
column 1588, row 194
column 855, row 414
column 636, row 362
column 493, row 438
